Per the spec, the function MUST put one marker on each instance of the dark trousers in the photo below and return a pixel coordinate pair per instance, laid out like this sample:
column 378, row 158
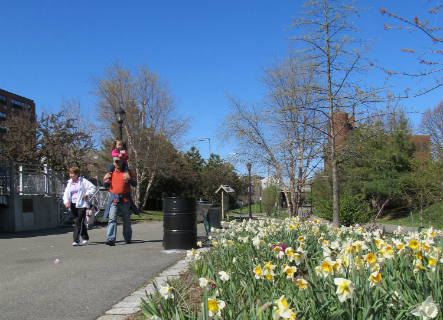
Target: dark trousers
column 79, row 226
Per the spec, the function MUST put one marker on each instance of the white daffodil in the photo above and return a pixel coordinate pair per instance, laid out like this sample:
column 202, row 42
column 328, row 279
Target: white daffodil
column 318, row 271
column 215, row 306
column 190, row 254
column 224, row 276
column 166, row 292
column 290, row 272
column 258, row 272
column 281, row 310
column 432, row 263
column 375, row 279
column 327, row 267
column 387, row 252
column 334, row 245
column 203, row 282
column 427, row 309
column 199, row 243
column 297, row 257
column 302, row 284
column 345, row 288
column 269, row 268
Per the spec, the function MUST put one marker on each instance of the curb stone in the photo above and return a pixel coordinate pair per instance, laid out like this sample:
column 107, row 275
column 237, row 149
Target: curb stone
column 131, row 304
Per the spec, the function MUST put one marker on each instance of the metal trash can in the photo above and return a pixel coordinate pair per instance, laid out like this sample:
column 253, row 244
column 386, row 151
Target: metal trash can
column 215, row 217
column 179, row 223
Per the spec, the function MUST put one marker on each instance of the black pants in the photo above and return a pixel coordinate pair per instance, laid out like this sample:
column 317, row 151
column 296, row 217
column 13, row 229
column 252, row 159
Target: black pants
column 79, row 226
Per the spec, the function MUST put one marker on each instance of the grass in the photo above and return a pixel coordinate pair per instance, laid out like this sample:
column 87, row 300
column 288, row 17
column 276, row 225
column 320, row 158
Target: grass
column 147, row 216
column 432, row 214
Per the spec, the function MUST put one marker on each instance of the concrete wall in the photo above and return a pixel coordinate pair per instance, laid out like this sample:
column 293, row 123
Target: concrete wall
column 26, row 213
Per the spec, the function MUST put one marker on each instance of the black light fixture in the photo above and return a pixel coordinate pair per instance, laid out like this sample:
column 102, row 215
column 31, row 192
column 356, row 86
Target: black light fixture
column 120, row 116
column 249, row 166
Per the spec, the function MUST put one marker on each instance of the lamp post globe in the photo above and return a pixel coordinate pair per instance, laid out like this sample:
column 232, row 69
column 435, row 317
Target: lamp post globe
column 120, row 115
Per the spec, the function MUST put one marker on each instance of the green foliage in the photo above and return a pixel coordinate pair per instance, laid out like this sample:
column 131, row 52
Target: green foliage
column 271, row 195
column 353, row 209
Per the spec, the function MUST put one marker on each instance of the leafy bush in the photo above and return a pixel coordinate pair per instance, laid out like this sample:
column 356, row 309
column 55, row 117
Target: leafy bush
column 353, row 209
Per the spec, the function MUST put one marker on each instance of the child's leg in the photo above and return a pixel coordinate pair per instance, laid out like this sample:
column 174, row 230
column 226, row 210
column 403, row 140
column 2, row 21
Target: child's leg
column 125, row 167
column 111, row 169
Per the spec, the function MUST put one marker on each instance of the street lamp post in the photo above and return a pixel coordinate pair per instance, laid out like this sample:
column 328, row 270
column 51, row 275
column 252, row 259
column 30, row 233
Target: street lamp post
column 209, row 141
column 250, row 191
column 260, row 197
column 120, row 116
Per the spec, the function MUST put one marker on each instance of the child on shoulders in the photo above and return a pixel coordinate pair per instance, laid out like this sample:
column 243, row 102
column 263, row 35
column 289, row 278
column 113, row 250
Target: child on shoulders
column 119, row 150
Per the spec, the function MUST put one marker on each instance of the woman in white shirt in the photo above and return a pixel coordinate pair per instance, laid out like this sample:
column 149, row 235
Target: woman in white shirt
column 76, row 195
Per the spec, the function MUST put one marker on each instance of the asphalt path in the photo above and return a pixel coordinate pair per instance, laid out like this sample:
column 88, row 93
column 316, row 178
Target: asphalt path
column 87, row 280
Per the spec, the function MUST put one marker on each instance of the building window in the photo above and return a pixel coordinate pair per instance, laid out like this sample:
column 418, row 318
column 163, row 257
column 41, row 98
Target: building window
column 16, row 103
column 29, row 106
column 2, row 99
column 12, row 109
column 5, row 106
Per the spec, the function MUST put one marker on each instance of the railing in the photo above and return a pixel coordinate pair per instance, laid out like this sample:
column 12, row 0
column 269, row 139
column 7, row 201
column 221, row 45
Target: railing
column 35, row 180
column 30, row 179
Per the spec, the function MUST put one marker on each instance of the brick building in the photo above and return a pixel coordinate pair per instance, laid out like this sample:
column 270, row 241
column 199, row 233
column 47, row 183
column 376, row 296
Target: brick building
column 344, row 125
column 13, row 104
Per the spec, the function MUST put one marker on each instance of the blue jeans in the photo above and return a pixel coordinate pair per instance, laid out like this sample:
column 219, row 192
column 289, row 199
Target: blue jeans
column 111, row 232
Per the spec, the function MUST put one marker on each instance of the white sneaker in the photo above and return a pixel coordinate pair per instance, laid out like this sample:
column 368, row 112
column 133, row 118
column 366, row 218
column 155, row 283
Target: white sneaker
column 84, row 241
column 75, row 244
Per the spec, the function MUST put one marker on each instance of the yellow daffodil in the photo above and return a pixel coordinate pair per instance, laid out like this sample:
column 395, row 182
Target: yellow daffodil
column 432, row 263
column 215, row 306
column 269, row 268
column 290, row 272
column 258, row 272
column 375, row 279
column 302, row 284
column 371, row 259
column 414, row 244
column 281, row 310
column 326, row 268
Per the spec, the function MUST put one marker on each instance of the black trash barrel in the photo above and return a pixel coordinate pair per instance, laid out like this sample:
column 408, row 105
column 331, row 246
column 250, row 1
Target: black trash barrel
column 215, row 217
column 179, row 223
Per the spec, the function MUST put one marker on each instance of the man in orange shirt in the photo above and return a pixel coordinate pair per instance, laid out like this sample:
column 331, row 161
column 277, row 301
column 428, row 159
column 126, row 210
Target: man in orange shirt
column 119, row 201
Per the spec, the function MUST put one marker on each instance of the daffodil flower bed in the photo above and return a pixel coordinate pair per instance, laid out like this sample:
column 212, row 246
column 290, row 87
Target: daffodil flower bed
column 260, row 269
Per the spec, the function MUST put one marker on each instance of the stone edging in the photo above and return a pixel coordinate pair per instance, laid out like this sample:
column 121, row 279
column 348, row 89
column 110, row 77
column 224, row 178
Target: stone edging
column 131, row 304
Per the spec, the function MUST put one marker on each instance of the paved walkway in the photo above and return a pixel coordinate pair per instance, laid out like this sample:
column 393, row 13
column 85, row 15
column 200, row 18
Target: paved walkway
column 87, row 281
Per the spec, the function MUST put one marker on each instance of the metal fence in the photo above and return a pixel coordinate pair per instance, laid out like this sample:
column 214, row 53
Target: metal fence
column 30, row 179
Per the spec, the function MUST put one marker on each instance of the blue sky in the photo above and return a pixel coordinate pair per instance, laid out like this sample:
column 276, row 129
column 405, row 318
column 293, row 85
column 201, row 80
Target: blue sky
column 205, row 49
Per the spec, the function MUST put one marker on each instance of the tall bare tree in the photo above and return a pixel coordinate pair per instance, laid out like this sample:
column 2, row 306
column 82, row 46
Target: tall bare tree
column 432, row 124
column 340, row 58
column 428, row 67
column 152, row 123
column 280, row 131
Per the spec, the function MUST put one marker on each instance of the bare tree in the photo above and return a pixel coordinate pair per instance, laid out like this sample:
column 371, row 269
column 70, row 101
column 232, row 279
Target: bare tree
column 280, row 131
column 432, row 124
column 428, row 72
column 152, row 125
column 339, row 58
